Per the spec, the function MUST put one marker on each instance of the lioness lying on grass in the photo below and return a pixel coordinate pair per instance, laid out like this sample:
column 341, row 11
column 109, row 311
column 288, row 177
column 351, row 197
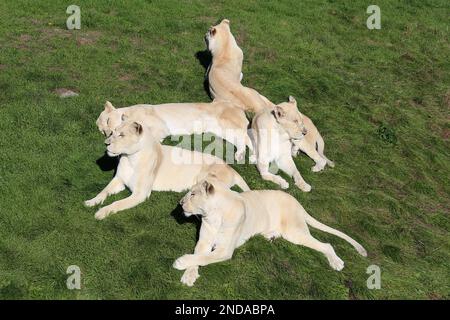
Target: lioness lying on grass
column 146, row 165
column 229, row 219
column 221, row 118
column 312, row 143
column 278, row 135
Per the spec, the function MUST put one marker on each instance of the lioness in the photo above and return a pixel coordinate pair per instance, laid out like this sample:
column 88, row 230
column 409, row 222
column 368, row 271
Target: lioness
column 272, row 133
column 229, row 219
column 146, row 165
column 225, row 71
column 221, row 118
column 312, row 143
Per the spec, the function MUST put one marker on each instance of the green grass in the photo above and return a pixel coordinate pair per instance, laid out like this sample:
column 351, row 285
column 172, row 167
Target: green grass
column 381, row 99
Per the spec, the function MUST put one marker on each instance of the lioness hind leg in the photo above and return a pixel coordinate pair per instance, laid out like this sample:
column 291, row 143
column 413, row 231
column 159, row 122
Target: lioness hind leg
column 253, row 100
column 237, row 137
column 220, row 172
column 298, row 236
column 311, row 152
column 252, row 141
column 320, row 149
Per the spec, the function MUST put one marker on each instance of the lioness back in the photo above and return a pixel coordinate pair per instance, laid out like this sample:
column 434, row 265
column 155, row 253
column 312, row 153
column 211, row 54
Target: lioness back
column 271, row 200
column 269, row 208
column 179, row 168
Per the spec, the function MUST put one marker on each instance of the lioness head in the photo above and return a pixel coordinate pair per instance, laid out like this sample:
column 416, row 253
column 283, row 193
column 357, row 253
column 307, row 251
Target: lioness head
column 193, row 202
column 218, row 35
column 109, row 119
column 290, row 118
column 126, row 139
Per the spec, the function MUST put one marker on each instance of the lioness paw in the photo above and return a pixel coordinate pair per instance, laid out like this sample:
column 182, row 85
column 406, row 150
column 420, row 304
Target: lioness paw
column 182, row 262
column 319, row 166
column 294, row 151
column 190, row 276
column 336, row 263
column 283, row 184
column 92, row 202
column 304, row 187
column 102, row 213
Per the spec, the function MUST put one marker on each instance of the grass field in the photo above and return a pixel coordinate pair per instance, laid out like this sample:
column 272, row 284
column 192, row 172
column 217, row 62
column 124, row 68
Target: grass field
column 381, row 99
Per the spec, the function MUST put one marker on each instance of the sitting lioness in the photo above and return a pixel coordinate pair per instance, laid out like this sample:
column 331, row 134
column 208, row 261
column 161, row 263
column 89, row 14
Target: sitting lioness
column 225, row 71
column 229, row 219
column 221, row 118
column 146, row 165
column 272, row 133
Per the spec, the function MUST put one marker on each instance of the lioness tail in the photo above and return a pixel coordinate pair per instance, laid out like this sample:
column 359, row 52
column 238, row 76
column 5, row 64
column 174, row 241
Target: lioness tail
column 319, row 225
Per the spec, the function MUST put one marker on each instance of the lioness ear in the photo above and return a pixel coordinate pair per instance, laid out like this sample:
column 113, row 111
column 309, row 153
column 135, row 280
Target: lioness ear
column 278, row 112
column 209, row 188
column 213, row 31
column 137, row 127
column 109, row 107
column 292, row 99
column 226, row 21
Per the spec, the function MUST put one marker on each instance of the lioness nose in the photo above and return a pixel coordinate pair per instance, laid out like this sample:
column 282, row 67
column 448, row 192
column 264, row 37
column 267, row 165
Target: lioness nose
column 107, row 142
column 182, row 201
column 304, row 131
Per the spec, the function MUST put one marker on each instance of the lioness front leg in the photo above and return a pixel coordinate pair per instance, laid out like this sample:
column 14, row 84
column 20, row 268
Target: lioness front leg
column 191, row 260
column 288, row 166
column 190, row 275
column 204, row 245
column 114, row 186
column 127, row 203
column 224, row 251
column 142, row 191
column 263, row 168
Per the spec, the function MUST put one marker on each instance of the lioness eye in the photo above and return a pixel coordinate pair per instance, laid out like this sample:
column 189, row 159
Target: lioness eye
column 121, row 135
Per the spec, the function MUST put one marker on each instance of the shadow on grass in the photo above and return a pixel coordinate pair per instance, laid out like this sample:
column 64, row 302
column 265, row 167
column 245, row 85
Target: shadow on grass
column 180, row 218
column 107, row 163
column 205, row 59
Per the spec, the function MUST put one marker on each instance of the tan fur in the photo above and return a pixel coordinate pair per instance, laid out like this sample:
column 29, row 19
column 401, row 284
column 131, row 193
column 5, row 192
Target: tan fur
column 272, row 133
column 229, row 219
column 225, row 72
column 146, row 165
column 312, row 145
column 221, row 118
